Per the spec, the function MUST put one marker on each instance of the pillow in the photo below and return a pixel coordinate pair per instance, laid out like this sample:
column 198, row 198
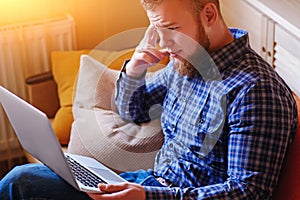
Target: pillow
column 99, row 132
column 65, row 66
column 289, row 182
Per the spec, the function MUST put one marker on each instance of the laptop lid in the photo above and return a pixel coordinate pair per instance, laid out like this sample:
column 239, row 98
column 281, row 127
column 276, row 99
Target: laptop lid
column 35, row 134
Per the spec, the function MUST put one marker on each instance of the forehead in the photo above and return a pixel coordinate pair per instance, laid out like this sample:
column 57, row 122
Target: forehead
column 170, row 11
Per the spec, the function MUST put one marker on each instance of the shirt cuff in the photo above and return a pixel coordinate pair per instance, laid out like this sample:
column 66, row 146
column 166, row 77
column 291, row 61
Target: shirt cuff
column 127, row 83
column 160, row 192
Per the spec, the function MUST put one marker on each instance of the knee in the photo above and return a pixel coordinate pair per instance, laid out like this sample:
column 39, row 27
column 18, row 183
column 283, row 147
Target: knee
column 23, row 172
column 16, row 176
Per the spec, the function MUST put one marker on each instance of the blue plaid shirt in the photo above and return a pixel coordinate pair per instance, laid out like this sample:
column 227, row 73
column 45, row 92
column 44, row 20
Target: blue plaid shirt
column 214, row 150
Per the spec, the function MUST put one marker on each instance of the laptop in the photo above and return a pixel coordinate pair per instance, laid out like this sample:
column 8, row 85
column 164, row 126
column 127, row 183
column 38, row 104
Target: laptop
column 37, row 137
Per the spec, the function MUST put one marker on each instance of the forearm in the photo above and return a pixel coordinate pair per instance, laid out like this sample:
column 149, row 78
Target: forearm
column 231, row 189
column 135, row 97
column 125, row 89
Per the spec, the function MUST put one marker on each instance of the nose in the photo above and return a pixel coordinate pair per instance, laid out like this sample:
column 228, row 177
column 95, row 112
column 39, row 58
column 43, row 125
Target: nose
column 166, row 40
column 165, row 43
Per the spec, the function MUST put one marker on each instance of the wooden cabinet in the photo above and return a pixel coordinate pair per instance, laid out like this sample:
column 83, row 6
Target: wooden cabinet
column 274, row 31
column 287, row 57
column 237, row 13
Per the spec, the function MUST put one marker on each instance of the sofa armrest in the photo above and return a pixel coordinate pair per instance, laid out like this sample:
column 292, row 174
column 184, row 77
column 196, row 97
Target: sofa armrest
column 42, row 92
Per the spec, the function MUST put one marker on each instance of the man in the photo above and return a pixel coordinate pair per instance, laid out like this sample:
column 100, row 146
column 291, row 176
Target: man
column 228, row 119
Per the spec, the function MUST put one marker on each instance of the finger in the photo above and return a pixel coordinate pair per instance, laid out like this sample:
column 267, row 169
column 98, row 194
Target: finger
column 107, row 196
column 111, row 188
column 159, row 54
column 145, row 61
column 103, row 196
column 150, row 38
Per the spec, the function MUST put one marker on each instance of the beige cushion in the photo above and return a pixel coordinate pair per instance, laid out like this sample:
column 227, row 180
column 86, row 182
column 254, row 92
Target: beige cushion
column 99, row 132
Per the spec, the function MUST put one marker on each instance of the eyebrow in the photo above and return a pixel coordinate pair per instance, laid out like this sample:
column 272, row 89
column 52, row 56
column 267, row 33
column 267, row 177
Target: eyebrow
column 166, row 24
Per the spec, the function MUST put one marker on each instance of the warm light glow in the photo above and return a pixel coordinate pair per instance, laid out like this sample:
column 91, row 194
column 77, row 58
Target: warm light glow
column 97, row 18
column 15, row 11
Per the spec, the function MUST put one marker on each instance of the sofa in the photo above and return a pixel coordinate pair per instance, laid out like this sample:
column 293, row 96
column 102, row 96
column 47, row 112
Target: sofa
column 81, row 107
column 88, row 124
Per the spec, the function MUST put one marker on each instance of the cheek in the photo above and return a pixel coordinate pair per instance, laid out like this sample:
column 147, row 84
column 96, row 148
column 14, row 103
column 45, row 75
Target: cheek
column 188, row 44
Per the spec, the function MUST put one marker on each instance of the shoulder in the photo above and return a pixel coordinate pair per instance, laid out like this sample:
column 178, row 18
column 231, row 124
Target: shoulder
column 251, row 79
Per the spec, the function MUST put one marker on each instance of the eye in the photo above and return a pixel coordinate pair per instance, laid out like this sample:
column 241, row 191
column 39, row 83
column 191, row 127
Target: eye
column 173, row 28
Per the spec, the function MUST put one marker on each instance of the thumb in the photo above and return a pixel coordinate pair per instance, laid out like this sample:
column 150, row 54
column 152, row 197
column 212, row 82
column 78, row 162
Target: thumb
column 109, row 188
column 150, row 38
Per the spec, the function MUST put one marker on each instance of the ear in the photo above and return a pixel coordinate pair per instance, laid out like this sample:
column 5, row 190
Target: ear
column 210, row 14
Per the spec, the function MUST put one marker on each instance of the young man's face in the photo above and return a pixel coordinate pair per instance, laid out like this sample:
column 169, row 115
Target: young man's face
column 178, row 27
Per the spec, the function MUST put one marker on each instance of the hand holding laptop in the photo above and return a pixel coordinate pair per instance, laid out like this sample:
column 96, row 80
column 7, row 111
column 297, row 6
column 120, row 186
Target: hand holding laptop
column 120, row 191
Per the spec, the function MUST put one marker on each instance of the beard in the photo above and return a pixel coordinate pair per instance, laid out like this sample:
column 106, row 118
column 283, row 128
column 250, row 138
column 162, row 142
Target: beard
column 183, row 66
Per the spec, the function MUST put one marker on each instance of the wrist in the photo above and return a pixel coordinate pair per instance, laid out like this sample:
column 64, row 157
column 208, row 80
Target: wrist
column 134, row 72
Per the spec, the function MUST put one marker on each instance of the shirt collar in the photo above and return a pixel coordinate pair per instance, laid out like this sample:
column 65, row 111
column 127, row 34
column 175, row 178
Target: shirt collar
column 226, row 55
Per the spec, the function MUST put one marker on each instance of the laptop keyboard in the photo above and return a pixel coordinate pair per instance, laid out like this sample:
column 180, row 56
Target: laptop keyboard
column 82, row 174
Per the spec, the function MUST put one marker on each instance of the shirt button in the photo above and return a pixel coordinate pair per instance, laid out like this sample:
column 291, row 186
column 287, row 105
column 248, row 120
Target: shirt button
column 201, row 121
column 171, row 145
column 168, row 160
column 173, row 127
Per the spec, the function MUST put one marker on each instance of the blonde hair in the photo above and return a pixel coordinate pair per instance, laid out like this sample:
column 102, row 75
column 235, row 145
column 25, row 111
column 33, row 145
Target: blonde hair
column 197, row 5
